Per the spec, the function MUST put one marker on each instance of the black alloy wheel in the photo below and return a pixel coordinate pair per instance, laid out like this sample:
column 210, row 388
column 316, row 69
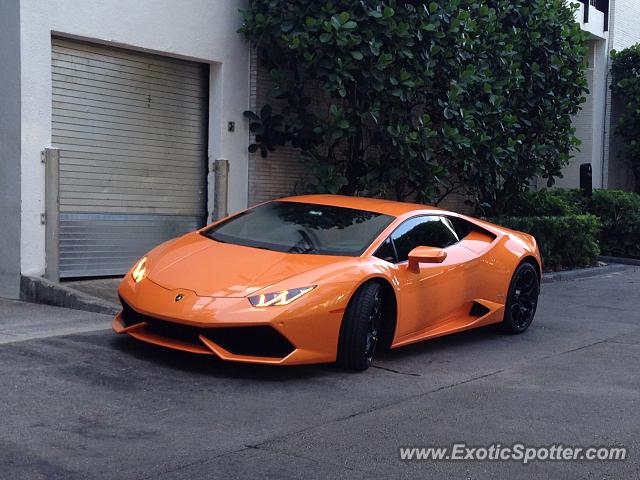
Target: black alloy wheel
column 361, row 328
column 522, row 299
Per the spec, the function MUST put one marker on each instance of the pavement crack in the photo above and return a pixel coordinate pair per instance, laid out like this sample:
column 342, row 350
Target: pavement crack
column 396, row 371
column 419, row 395
column 376, row 408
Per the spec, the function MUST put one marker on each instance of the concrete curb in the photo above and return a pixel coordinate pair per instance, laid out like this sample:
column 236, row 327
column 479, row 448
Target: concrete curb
column 582, row 273
column 41, row 290
column 620, row 260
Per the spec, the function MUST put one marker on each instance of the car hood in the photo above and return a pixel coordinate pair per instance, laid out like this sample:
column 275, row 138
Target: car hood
column 214, row 269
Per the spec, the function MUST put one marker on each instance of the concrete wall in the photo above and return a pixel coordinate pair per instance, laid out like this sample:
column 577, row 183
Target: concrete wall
column 10, row 148
column 199, row 30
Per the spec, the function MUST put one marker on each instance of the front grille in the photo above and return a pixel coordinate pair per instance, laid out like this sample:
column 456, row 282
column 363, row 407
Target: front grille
column 255, row 341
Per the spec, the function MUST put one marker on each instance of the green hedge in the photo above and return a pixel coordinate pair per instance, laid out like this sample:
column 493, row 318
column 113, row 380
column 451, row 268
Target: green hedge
column 619, row 213
column 545, row 202
column 565, row 241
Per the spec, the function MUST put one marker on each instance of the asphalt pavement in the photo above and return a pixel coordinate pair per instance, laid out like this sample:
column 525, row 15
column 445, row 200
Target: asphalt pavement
column 77, row 401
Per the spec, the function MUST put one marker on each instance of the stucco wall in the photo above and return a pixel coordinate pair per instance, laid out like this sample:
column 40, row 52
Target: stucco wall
column 199, row 30
column 10, row 148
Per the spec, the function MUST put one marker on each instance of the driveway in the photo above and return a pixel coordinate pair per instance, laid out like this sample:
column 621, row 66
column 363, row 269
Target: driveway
column 94, row 405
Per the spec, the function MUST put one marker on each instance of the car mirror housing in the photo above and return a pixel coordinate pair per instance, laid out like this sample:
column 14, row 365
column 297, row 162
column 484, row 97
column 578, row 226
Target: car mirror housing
column 425, row 255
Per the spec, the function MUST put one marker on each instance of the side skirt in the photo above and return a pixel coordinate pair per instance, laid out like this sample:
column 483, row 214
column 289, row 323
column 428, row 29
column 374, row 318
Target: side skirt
column 482, row 312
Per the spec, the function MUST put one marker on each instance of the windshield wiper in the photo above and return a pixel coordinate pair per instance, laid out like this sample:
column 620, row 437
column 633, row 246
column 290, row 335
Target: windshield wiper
column 309, row 248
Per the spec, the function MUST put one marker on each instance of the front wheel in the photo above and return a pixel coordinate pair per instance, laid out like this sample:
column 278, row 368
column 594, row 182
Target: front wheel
column 361, row 328
column 522, row 299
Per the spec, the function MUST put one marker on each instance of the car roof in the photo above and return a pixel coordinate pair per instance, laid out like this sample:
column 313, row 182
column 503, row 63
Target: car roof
column 378, row 205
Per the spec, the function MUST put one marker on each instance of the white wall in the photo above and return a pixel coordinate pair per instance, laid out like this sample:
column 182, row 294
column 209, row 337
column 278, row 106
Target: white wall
column 625, row 23
column 201, row 30
column 595, row 25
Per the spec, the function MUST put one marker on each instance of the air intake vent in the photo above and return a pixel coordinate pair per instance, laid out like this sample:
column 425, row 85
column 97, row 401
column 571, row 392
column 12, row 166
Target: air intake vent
column 254, row 341
column 478, row 310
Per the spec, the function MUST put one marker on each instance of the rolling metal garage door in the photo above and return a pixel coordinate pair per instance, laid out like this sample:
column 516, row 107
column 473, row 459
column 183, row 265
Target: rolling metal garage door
column 131, row 129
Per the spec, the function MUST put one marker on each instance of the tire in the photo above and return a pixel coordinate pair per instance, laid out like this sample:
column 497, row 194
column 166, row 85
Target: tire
column 361, row 328
column 522, row 299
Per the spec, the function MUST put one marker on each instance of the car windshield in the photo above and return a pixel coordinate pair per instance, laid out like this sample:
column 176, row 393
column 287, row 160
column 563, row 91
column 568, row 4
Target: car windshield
column 296, row 227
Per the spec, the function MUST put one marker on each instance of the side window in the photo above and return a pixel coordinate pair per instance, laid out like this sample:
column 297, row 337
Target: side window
column 449, row 224
column 461, row 227
column 386, row 251
column 427, row 231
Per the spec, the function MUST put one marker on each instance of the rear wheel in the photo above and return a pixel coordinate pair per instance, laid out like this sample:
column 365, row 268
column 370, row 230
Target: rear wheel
column 522, row 299
column 361, row 328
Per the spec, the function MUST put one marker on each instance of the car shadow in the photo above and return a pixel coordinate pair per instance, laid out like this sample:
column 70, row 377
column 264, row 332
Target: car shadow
column 444, row 343
column 210, row 365
column 213, row 366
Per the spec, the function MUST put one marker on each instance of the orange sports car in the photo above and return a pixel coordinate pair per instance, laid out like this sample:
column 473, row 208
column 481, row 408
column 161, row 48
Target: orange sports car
column 327, row 278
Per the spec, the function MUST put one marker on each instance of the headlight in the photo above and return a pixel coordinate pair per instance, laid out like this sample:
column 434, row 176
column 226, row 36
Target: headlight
column 285, row 297
column 140, row 270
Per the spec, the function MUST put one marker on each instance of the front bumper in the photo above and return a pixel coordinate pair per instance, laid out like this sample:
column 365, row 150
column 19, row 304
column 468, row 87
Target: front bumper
column 303, row 332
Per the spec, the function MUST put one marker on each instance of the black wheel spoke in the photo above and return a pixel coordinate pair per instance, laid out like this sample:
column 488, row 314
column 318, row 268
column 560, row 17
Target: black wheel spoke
column 362, row 327
column 375, row 319
column 523, row 298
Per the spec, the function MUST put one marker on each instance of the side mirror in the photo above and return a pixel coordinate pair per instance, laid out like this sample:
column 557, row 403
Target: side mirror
column 425, row 255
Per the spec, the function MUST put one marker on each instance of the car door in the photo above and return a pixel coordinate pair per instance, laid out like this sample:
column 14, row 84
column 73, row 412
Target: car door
column 438, row 290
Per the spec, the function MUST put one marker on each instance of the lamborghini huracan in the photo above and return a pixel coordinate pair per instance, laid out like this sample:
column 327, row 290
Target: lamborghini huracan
column 328, row 278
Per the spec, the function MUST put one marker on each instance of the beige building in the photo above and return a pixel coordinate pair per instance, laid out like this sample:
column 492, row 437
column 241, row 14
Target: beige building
column 613, row 25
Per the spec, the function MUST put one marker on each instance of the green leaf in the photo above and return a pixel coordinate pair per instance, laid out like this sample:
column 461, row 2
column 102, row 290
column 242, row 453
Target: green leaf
column 374, row 47
column 326, row 37
column 502, row 81
column 350, row 25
